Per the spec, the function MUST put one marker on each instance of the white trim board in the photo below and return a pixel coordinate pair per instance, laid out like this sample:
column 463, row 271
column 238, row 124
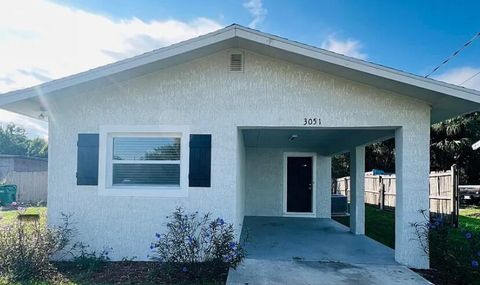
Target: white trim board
column 105, row 150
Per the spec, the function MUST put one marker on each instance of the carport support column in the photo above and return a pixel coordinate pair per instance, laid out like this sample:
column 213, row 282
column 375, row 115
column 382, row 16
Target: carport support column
column 412, row 167
column 357, row 189
column 324, row 186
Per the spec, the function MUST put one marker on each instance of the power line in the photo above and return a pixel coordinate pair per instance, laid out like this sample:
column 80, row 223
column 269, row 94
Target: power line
column 454, row 54
column 470, row 78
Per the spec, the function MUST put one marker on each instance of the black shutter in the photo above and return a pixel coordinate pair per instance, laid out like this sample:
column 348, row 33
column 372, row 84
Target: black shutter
column 87, row 159
column 200, row 160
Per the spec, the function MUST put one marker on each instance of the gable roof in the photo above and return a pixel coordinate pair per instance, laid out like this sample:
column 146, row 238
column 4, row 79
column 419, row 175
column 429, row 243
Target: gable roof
column 446, row 100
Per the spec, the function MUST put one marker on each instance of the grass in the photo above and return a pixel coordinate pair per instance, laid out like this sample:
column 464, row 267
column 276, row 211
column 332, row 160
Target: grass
column 379, row 225
column 470, row 218
column 469, row 221
column 10, row 216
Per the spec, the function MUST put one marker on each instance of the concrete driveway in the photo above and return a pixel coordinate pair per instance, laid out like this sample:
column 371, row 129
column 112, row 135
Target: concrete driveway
column 315, row 251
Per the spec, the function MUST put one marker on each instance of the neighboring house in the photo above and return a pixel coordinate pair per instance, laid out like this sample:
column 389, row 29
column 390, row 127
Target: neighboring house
column 236, row 123
column 28, row 173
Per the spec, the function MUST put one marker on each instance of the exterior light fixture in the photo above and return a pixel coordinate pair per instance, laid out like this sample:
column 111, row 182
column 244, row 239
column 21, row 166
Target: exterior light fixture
column 43, row 116
column 292, row 137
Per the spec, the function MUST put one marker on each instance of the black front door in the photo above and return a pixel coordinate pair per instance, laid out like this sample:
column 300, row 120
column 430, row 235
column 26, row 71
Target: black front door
column 299, row 184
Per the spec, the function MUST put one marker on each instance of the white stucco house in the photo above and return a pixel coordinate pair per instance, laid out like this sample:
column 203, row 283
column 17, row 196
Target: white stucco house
column 237, row 123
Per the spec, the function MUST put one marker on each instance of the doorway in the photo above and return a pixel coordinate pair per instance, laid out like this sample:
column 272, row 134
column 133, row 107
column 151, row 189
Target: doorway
column 299, row 184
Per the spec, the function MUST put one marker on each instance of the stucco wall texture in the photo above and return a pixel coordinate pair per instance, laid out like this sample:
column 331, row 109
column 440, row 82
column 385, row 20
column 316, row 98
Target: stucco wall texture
column 204, row 95
column 265, row 178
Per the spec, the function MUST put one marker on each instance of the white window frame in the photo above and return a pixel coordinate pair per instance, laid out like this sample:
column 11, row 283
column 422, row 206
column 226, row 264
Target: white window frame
column 105, row 169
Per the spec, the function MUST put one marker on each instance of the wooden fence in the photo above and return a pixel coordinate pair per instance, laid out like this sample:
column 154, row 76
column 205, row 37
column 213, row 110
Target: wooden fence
column 31, row 186
column 380, row 190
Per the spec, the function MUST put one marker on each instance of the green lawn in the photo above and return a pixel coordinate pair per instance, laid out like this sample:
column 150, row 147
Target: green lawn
column 470, row 218
column 10, row 216
column 379, row 225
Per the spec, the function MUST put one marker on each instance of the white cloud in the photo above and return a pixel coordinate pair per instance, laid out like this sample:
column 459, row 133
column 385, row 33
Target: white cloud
column 348, row 47
column 41, row 40
column 459, row 75
column 255, row 8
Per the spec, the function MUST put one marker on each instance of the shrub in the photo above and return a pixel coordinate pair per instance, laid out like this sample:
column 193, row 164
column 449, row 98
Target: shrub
column 90, row 261
column 26, row 248
column 454, row 254
column 196, row 246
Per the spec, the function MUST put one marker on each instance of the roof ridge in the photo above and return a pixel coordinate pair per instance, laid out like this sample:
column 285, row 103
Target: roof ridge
column 218, row 40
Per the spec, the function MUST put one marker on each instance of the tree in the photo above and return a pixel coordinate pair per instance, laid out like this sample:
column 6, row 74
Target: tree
column 13, row 140
column 450, row 143
column 381, row 156
column 37, row 147
column 340, row 165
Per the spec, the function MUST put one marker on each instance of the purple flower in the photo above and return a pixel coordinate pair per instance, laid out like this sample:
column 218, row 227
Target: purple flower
column 184, row 269
column 468, row 235
column 14, row 204
column 152, row 246
column 220, row 221
column 474, row 264
column 232, row 245
column 157, row 235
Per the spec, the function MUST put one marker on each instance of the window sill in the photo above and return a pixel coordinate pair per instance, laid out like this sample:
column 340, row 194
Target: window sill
column 144, row 191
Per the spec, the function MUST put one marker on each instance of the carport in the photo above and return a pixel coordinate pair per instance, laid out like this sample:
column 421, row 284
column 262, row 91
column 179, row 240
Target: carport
column 286, row 250
column 287, row 173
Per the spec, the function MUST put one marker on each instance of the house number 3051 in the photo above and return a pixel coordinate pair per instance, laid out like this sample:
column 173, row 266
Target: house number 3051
column 312, row 121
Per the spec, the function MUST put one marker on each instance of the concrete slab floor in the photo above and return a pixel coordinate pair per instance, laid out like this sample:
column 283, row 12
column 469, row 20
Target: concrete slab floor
column 284, row 250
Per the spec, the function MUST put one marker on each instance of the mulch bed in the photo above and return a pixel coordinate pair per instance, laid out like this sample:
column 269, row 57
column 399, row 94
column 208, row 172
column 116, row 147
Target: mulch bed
column 431, row 275
column 136, row 272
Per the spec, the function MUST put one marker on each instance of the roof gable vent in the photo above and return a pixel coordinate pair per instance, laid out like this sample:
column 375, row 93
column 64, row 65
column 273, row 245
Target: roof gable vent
column 236, row 62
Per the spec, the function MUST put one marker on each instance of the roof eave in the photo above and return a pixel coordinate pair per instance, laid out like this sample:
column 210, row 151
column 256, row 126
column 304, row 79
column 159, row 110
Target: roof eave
column 234, row 33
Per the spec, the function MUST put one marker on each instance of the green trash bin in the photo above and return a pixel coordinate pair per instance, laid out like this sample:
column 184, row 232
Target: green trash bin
column 8, row 194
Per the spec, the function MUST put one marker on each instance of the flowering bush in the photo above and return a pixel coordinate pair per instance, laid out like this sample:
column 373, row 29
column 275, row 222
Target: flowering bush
column 454, row 253
column 87, row 260
column 196, row 245
column 26, row 248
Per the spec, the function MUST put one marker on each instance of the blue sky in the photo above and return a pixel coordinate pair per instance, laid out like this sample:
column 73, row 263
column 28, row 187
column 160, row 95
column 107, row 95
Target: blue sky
column 72, row 35
column 409, row 35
